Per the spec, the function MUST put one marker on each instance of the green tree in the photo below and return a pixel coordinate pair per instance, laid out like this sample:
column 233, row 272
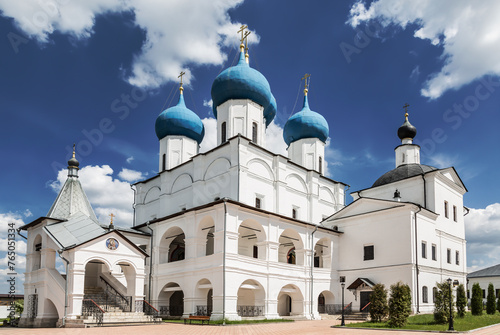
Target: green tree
column 442, row 303
column 378, row 303
column 476, row 303
column 490, row 300
column 399, row 305
column 461, row 301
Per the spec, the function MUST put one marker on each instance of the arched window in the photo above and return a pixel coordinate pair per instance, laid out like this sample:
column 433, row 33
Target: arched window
column 434, row 294
column 290, row 256
column 254, row 132
column 320, row 167
column 163, row 162
column 223, row 132
column 425, row 297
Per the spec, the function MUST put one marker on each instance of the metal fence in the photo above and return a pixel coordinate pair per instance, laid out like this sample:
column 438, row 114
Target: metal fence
column 250, row 311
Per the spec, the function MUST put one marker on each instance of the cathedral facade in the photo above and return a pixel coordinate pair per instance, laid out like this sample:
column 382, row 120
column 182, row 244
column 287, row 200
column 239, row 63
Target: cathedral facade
column 241, row 232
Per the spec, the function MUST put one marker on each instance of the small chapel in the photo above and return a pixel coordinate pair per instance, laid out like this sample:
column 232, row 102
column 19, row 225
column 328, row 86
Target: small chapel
column 241, row 232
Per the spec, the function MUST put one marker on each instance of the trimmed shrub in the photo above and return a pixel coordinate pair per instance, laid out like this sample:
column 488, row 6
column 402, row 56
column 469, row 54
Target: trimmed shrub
column 490, row 300
column 378, row 303
column 476, row 302
column 461, row 301
column 442, row 303
column 399, row 305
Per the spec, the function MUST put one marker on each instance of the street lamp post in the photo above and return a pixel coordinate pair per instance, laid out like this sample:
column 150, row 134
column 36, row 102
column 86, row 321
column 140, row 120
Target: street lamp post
column 342, row 282
column 450, row 327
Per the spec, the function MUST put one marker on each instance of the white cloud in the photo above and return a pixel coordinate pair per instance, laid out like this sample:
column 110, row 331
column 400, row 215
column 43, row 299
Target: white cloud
column 106, row 194
column 210, row 140
column 482, row 231
column 274, row 139
column 20, row 245
column 208, row 103
column 8, row 218
column 442, row 161
column 130, row 159
column 469, row 34
column 178, row 33
column 130, row 175
column 415, row 73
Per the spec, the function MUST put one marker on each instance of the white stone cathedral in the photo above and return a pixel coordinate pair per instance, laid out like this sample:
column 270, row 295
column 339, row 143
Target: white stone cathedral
column 241, row 232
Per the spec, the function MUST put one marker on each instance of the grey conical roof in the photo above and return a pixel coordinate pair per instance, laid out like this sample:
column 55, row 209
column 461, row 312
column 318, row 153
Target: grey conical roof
column 71, row 200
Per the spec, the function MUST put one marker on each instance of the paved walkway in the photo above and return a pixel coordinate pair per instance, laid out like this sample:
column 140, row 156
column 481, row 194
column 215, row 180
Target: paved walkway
column 298, row 327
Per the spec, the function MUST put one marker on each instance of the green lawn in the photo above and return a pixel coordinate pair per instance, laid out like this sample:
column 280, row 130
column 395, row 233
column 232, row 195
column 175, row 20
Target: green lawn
column 426, row 322
column 228, row 322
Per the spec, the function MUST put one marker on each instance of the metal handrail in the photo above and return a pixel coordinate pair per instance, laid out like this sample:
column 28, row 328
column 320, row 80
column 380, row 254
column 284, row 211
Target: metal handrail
column 91, row 308
column 125, row 303
column 362, row 309
column 148, row 309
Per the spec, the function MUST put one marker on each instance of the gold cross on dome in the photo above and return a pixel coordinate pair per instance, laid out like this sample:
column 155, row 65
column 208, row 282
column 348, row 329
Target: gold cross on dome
column 406, row 107
column 305, row 78
column 242, row 31
column 246, row 39
column 111, row 216
column 180, row 76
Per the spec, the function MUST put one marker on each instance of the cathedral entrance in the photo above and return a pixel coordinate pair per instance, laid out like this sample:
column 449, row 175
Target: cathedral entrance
column 171, row 301
column 109, row 288
column 290, row 301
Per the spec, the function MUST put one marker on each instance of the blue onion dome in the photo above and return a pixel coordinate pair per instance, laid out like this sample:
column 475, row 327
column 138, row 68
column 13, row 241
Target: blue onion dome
column 180, row 121
column 243, row 82
column 305, row 124
column 407, row 130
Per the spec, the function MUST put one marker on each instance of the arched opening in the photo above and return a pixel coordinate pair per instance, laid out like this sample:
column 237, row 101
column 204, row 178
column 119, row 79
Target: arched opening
column 290, row 301
column 291, row 257
column 326, row 303
column 110, row 288
column 203, row 296
column 171, row 301
column 284, row 305
column 251, row 239
column 251, row 299
column 210, row 242
column 320, row 165
column 172, row 246
column 50, row 313
column 37, row 253
column 291, row 248
column 322, row 258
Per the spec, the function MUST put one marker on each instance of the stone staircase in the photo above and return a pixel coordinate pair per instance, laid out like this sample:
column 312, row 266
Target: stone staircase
column 113, row 316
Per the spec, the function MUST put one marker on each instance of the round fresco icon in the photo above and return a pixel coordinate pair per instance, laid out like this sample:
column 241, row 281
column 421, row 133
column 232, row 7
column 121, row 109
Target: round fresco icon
column 112, row 244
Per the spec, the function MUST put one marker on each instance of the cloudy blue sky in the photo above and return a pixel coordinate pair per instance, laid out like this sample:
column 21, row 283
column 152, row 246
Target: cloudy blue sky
column 97, row 73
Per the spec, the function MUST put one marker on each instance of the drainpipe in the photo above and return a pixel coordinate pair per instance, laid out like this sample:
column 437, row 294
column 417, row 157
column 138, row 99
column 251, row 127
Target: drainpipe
column 60, row 251
column 19, row 233
column 150, row 260
column 312, row 271
column 224, row 267
column 416, row 258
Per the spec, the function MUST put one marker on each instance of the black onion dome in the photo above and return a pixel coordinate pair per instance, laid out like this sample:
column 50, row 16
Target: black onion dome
column 73, row 162
column 403, row 172
column 407, row 130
